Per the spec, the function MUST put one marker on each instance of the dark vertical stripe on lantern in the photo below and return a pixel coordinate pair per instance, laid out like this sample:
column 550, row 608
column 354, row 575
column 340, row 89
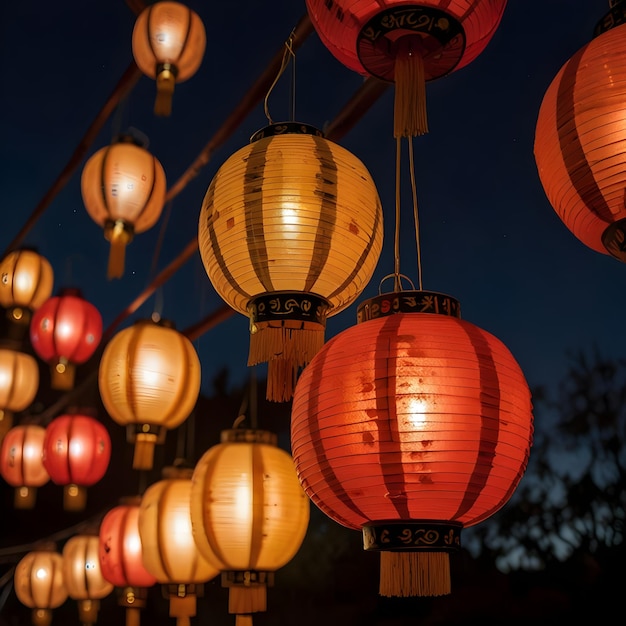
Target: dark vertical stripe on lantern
column 187, row 32
column 51, row 586
column 489, row 427
column 327, row 190
column 161, row 537
column 253, row 210
column 149, row 30
column 325, row 468
column 105, row 158
column 55, row 313
column 386, row 358
column 576, row 163
column 68, row 437
column 22, row 466
column 181, row 390
column 130, row 364
column 258, row 504
column 85, row 569
column 149, row 196
column 12, row 390
column 85, row 318
column 120, row 554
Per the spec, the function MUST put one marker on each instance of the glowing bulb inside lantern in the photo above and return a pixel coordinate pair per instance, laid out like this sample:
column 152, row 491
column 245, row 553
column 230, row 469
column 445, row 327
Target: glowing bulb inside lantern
column 242, row 498
column 41, row 574
column 417, row 413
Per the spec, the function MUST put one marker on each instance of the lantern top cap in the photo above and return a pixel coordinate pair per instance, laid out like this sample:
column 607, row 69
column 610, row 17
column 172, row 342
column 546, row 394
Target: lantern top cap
column 615, row 17
column 135, row 138
column 248, row 435
column 70, row 291
column 413, row 301
column 177, row 472
column 155, row 321
column 286, row 128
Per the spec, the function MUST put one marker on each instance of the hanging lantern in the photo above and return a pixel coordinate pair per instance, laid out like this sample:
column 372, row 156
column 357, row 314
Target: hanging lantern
column 149, row 381
column 410, row 426
column 83, row 577
column 76, row 454
column 65, row 331
column 407, row 42
column 21, row 463
column 123, row 188
column 168, row 43
column 290, row 233
column 169, row 551
column 249, row 514
column 19, row 382
column 121, row 558
column 580, row 139
column 26, row 282
column 39, row 584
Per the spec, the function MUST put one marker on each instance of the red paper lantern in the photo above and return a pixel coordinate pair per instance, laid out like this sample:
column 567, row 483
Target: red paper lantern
column 21, row 462
column 65, row 331
column 76, row 454
column 408, row 42
column 580, row 140
column 410, row 426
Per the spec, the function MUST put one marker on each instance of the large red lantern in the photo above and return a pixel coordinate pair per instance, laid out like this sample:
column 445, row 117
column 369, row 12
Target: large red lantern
column 65, row 331
column 580, row 139
column 407, row 42
column 76, row 454
column 410, row 426
column 21, row 462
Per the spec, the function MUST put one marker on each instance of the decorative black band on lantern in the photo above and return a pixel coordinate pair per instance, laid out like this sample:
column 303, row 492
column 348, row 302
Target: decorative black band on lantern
column 247, row 578
column 408, row 302
column 615, row 17
column 248, row 435
column 288, row 305
column 182, row 590
column 286, row 128
column 412, row 536
column 153, row 430
column 614, row 239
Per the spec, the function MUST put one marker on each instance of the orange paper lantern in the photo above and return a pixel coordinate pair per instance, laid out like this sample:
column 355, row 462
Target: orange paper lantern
column 123, row 188
column 65, row 331
column 290, row 233
column 580, row 140
column 410, row 426
column 168, row 43
column 408, row 42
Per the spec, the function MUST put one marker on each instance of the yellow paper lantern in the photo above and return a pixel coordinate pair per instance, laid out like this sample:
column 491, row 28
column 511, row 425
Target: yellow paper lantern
column 123, row 188
column 168, row 43
column 169, row 551
column 149, row 380
column 83, row 577
column 249, row 514
column 39, row 584
column 290, row 233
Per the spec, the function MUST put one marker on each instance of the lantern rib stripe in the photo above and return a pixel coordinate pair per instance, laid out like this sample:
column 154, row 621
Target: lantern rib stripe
column 122, row 530
column 162, row 539
column 54, row 313
column 577, row 165
column 136, row 340
column 253, row 211
column 105, row 156
column 181, row 390
column 258, row 498
column 50, row 588
column 489, row 426
column 150, row 194
column 14, row 375
column 85, row 571
column 149, row 30
column 187, row 33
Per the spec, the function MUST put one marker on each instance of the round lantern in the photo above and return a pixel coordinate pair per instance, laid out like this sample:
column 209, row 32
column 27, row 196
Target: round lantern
column 168, row 43
column 169, row 551
column 121, row 558
column 83, row 577
column 21, row 462
column 65, row 331
column 26, row 282
column 39, row 584
column 149, row 381
column 19, row 382
column 290, row 233
column 76, row 454
column 580, row 141
column 410, row 426
column 249, row 514
column 407, row 42
column 123, row 188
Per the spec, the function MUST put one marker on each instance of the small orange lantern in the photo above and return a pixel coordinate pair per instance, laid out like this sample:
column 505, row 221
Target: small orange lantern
column 21, row 462
column 123, row 188
column 65, row 331
column 19, row 382
column 26, row 282
column 168, row 43
column 290, row 233
column 580, row 139
column 249, row 514
column 83, row 577
column 149, row 379
column 408, row 42
column 410, row 426
column 39, row 584
column 169, row 550
column 76, row 454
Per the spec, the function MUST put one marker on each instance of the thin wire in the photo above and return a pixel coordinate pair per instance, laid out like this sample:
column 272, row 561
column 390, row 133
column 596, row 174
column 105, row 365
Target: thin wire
column 287, row 55
column 415, row 214
column 293, row 82
column 396, row 246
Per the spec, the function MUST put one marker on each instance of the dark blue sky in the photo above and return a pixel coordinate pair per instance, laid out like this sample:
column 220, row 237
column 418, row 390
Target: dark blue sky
column 489, row 236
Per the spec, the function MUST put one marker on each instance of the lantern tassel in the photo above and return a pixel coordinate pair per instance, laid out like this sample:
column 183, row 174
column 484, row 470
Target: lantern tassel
column 25, row 497
column 143, row 457
column 183, row 608
column 247, row 599
column 243, row 620
column 62, row 375
column 410, row 118
column 88, row 611
column 165, row 82
column 119, row 237
column 74, row 497
column 406, row 574
column 133, row 617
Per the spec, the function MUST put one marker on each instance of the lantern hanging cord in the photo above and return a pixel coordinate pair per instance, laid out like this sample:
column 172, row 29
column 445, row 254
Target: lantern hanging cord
column 288, row 54
column 416, row 220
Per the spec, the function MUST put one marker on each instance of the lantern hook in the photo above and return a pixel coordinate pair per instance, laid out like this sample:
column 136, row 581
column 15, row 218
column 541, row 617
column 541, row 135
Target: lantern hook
column 288, row 55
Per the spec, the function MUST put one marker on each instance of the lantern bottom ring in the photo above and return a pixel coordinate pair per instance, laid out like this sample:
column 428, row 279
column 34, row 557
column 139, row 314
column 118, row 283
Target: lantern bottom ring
column 247, row 578
column 412, row 536
column 614, row 239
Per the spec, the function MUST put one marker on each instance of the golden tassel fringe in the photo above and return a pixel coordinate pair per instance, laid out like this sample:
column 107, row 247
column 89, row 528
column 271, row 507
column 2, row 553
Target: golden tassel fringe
column 143, row 458
column 165, row 82
column 182, row 608
column 243, row 620
column 409, row 118
column 118, row 238
column 406, row 574
column 133, row 617
column 242, row 600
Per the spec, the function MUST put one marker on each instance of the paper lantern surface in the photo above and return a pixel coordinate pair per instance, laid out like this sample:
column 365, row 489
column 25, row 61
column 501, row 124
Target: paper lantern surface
column 21, row 456
column 26, row 280
column 19, row 379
